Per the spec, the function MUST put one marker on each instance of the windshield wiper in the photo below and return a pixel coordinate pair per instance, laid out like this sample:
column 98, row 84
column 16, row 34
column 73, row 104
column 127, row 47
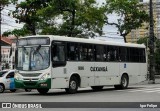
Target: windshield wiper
column 25, row 51
column 37, row 51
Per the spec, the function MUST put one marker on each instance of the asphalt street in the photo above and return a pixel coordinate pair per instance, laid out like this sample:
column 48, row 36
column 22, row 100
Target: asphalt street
column 142, row 92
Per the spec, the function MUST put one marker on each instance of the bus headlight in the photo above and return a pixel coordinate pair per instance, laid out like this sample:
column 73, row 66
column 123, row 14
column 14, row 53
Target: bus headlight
column 45, row 76
column 17, row 76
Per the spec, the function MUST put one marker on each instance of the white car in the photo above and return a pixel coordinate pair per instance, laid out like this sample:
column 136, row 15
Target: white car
column 7, row 81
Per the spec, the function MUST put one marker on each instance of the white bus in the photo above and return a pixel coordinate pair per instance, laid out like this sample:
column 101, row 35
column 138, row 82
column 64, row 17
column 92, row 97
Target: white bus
column 45, row 62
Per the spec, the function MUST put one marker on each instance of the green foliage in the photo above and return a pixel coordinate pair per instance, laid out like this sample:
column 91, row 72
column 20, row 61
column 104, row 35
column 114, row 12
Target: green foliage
column 4, row 3
column 157, row 56
column 143, row 40
column 79, row 18
column 26, row 12
column 157, row 51
column 130, row 12
column 17, row 32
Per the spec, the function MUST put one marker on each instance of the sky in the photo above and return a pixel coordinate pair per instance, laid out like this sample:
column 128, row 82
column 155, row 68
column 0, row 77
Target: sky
column 8, row 24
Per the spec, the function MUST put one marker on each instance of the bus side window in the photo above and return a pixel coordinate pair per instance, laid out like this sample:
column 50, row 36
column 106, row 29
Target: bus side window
column 100, row 53
column 72, row 51
column 122, row 54
column 58, row 52
column 112, row 53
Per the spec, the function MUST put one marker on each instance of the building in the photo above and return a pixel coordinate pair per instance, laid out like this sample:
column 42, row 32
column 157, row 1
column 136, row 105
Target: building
column 143, row 31
column 8, row 52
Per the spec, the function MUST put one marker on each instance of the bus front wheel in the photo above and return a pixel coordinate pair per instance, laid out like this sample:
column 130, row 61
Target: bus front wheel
column 124, row 82
column 73, row 86
column 43, row 91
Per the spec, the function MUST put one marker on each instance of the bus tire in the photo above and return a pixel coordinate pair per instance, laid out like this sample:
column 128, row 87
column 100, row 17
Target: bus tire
column 13, row 90
column 73, row 86
column 124, row 82
column 97, row 88
column 2, row 88
column 43, row 90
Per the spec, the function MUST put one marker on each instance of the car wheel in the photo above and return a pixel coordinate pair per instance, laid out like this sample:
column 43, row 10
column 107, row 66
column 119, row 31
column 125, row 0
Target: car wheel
column 2, row 88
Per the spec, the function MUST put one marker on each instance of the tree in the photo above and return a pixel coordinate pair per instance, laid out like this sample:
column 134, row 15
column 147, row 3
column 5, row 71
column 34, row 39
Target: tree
column 17, row 32
column 130, row 12
column 26, row 12
column 143, row 40
column 157, row 51
column 79, row 18
column 4, row 3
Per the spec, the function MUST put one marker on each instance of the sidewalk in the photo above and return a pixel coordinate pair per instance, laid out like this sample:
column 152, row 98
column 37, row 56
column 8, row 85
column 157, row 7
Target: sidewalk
column 157, row 81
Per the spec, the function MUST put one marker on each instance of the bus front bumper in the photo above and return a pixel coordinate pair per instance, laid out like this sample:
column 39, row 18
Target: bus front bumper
column 33, row 84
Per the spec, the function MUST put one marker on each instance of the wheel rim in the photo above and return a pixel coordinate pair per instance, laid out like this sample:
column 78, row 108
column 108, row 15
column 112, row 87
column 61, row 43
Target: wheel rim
column 73, row 85
column 1, row 88
column 124, row 82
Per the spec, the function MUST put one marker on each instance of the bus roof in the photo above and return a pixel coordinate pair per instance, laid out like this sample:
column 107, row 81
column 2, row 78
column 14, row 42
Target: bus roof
column 83, row 40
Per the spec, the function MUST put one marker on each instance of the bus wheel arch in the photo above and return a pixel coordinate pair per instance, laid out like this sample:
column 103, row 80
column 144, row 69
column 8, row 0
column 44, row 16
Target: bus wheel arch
column 2, row 87
column 74, row 83
column 124, row 82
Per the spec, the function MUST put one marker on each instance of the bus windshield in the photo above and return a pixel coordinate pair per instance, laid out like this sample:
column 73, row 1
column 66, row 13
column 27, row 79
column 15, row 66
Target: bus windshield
column 33, row 58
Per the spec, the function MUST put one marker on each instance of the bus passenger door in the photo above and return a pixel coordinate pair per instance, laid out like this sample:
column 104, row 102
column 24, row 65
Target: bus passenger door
column 58, row 65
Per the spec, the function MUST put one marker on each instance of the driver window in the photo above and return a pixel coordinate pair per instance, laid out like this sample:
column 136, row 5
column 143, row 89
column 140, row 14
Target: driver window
column 10, row 75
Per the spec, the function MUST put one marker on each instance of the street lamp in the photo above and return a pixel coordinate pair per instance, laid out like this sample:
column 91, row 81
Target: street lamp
column 151, row 45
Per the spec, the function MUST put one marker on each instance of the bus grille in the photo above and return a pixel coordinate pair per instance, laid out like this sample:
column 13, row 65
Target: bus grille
column 30, row 74
column 30, row 83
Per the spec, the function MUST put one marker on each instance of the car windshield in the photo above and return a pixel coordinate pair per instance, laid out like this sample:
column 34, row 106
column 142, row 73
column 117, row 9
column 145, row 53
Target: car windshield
column 2, row 73
column 33, row 58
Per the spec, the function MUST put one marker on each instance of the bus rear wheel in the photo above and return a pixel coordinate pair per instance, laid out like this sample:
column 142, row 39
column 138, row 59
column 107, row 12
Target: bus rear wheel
column 43, row 91
column 124, row 82
column 73, row 86
column 97, row 88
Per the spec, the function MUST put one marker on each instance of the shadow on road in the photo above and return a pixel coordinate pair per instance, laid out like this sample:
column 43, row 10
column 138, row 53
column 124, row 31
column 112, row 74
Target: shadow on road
column 60, row 93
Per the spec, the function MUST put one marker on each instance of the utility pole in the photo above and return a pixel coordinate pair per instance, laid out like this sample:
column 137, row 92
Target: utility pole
column 0, row 37
column 151, row 45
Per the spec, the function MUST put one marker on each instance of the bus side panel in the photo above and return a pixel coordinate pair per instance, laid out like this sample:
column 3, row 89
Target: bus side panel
column 61, row 75
column 59, row 78
column 132, row 69
column 143, row 70
column 87, row 76
column 109, row 76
